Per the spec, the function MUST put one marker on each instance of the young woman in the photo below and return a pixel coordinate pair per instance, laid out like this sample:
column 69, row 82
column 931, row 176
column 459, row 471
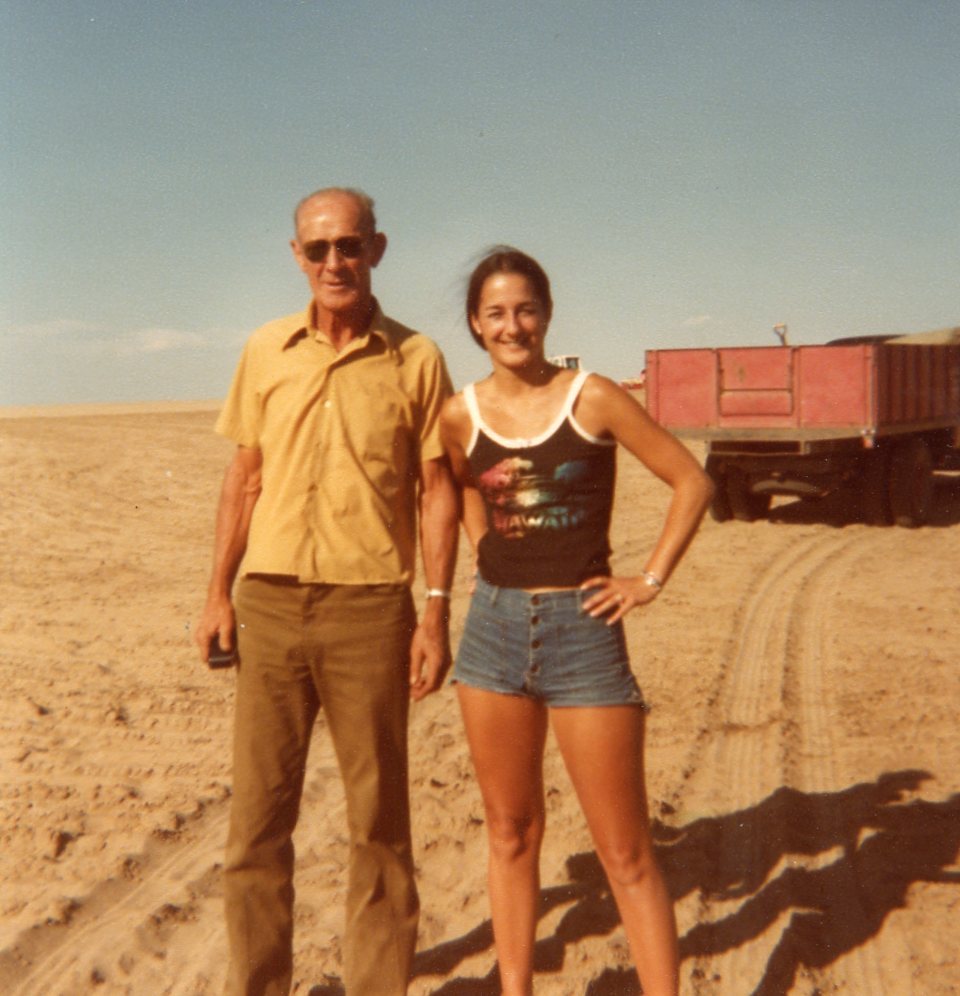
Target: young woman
column 533, row 447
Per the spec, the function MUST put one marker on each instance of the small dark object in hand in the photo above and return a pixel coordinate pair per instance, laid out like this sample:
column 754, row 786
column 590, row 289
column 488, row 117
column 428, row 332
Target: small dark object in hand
column 218, row 657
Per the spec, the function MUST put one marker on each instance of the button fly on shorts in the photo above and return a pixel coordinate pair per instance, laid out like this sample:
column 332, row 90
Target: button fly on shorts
column 544, row 647
column 536, row 643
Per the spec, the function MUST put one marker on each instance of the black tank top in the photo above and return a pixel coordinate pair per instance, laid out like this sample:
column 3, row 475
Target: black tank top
column 548, row 500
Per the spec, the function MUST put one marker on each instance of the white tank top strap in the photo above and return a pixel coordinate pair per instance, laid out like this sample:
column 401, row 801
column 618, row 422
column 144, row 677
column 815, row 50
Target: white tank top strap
column 575, row 389
column 576, row 385
column 470, row 398
column 565, row 414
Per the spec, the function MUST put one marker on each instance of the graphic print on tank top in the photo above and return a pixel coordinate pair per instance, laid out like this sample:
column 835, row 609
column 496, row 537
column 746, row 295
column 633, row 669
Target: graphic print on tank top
column 547, row 500
column 523, row 500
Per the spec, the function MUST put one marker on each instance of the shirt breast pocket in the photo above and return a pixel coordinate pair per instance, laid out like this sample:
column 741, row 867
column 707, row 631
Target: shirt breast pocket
column 383, row 431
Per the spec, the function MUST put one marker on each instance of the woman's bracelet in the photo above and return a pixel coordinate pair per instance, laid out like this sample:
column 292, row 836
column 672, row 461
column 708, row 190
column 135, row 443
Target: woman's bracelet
column 652, row 580
column 438, row 593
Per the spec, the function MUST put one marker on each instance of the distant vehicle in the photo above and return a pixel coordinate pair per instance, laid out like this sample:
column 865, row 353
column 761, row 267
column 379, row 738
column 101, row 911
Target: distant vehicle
column 567, row 361
column 875, row 415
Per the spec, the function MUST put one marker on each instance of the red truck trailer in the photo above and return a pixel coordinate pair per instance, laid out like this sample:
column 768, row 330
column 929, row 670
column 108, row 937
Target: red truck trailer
column 875, row 416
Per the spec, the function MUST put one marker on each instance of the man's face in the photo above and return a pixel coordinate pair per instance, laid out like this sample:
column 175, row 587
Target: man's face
column 336, row 250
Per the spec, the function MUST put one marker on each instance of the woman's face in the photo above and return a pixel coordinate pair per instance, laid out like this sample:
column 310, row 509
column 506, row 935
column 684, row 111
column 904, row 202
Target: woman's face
column 510, row 320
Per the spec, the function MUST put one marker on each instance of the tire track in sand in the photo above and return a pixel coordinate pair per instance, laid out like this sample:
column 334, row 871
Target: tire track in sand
column 769, row 724
column 810, row 759
column 126, row 936
column 108, row 935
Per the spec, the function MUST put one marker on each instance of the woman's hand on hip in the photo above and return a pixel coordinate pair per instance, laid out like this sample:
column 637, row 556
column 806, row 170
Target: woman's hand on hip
column 613, row 598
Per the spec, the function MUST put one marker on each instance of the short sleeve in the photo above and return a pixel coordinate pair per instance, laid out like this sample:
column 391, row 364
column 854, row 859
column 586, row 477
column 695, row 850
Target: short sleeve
column 436, row 387
column 239, row 418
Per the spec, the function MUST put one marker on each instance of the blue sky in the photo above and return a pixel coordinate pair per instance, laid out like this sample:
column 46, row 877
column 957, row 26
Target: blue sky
column 689, row 173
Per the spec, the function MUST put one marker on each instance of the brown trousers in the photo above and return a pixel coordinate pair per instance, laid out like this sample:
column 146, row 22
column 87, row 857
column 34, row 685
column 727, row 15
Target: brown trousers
column 345, row 649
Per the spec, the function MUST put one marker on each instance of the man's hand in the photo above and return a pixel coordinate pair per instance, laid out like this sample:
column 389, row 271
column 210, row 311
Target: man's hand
column 218, row 621
column 430, row 650
column 239, row 494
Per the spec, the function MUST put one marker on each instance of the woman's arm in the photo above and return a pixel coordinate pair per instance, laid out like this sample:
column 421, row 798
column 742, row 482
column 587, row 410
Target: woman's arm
column 455, row 430
column 473, row 515
column 606, row 409
column 430, row 647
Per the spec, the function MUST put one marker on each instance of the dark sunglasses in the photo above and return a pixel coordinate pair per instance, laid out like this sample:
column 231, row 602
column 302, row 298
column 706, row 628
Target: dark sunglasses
column 346, row 247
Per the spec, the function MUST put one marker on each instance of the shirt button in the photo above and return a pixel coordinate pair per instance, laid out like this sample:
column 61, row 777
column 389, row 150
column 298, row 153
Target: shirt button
column 535, row 600
column 327, row 404
column 536, row 644
column 534, row 620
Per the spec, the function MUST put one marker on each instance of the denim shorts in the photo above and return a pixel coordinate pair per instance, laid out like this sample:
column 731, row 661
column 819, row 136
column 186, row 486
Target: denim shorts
column 544, row 647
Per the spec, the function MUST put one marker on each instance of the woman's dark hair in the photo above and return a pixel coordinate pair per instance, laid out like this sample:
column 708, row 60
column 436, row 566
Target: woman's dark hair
column 506, row 259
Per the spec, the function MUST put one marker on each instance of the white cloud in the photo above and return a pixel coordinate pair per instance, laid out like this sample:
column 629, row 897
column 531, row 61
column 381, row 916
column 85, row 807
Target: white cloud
column 54, row 328
column 163, row 340
column 697, row 321
column 74, row 335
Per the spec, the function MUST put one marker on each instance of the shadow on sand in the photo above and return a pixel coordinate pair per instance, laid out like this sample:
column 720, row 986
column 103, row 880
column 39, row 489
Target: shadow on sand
column 883, row 845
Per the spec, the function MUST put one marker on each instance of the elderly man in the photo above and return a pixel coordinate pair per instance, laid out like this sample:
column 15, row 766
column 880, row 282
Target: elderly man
column 335, row 415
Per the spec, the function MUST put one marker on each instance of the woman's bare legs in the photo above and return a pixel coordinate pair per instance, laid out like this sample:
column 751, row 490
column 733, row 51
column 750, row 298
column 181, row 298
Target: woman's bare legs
column 506, row 734
column 603, row 750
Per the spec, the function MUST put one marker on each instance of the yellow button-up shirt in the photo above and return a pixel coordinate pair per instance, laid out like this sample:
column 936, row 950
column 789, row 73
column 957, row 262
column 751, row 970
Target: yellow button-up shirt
column 342, row 437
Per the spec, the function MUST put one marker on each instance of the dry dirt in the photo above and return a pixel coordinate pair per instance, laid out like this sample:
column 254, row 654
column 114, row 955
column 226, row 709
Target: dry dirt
column 803, row 762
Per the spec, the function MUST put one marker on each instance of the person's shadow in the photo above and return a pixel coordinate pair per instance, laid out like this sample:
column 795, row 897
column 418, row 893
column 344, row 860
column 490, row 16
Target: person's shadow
column 885, row 846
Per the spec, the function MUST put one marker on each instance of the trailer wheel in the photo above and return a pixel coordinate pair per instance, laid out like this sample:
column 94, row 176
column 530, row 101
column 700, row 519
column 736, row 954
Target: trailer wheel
column 745, row 505
column 874, row 497
column 720, row 505
column 911, row 482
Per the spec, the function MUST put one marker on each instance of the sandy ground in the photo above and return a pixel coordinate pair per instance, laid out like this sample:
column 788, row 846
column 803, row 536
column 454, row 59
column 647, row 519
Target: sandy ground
column 803, row 761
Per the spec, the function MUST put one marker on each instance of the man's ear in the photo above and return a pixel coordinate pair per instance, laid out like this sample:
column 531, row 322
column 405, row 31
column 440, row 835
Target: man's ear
column 298, row 255
column 378, row 246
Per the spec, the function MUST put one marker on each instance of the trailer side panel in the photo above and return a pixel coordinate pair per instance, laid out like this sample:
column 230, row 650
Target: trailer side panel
column 860, row 390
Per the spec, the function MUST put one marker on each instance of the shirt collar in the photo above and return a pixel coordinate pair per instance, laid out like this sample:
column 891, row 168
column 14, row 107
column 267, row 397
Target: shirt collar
column 379, row 326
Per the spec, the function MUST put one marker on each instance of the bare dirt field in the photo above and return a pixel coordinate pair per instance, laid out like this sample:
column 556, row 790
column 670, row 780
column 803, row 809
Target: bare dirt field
column 802, row 752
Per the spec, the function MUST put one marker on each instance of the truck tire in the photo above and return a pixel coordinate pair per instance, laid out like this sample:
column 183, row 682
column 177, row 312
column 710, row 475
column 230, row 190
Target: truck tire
column 874, row 488
column 911, row 482
column 720, row 505
column 745, row 505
